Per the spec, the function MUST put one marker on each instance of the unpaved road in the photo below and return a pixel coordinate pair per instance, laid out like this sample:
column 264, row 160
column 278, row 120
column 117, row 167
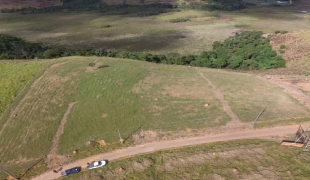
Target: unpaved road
column 161, row 145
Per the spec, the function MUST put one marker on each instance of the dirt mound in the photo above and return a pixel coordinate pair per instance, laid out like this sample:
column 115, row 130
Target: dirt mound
column 10, row 178
column 294, row 46
column 101, row 143
column 145, row 136
column 56, row 161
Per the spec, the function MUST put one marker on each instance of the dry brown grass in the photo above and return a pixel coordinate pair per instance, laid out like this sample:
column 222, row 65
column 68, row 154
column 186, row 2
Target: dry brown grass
column 297, row 46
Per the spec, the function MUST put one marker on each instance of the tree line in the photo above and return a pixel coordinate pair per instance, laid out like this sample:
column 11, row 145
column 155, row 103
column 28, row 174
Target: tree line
column 245, row 51
column 141, row 9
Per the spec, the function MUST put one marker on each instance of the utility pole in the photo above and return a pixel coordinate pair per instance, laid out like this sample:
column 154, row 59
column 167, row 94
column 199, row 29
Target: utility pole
column 258, row 116
column 7, row 173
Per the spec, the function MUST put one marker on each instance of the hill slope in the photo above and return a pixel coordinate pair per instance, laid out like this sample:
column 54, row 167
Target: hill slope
column 113, row 94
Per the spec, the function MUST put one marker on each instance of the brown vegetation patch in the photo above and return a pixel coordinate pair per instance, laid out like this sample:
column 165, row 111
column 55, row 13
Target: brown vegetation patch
column 147, row 83
column 145, row 136
column 136, row 166
column 104, row 115
column 296, row 47
column 54, row 162
column 101, row 143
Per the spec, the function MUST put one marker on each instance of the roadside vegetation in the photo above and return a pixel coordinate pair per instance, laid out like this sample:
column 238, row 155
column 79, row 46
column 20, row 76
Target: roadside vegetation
column 246, row 51
column 245, row 159
column 140, row 9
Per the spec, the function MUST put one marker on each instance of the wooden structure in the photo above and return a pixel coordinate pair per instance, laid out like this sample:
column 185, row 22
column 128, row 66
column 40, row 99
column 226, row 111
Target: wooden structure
column 301, row 139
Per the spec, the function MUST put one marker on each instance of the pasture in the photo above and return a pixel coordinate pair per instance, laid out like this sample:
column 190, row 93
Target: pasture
column 128, row 95
column 155, row 34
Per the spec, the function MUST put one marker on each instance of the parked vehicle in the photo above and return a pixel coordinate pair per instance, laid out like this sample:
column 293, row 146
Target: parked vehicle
column 71, row 171
column 97, row 164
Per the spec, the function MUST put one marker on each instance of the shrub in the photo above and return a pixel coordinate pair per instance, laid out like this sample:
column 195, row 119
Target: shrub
column 282, row 46
column 92, row 64
column 106, row 26
column 179, row 20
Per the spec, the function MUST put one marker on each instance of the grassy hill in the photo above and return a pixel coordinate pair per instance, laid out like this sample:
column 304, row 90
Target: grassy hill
column 126, row 95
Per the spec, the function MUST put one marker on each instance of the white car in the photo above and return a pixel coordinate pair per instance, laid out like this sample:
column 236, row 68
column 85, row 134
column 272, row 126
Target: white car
column 97, row 164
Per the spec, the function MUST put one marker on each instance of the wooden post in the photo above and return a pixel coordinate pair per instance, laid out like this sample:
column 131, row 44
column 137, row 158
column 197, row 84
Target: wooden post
column 120, row 138
column 258, row 116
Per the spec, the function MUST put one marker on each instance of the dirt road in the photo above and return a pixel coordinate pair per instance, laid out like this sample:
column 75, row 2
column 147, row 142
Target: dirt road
column 161, row 145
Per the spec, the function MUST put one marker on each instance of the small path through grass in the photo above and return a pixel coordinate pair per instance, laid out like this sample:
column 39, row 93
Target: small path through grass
column 218, row 94
column 60, row 130
column 292, row 90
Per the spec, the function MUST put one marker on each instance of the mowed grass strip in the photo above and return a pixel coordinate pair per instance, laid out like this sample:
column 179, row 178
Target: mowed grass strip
column 246, row 159
column 247, row 95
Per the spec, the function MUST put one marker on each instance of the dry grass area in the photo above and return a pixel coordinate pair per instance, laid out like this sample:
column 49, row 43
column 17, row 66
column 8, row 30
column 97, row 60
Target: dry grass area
column 297, row 46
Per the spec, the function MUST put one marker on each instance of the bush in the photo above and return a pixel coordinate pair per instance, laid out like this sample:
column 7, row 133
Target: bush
column 282, row 46
column 106, row 26
column 179, row 20
column 280, row 32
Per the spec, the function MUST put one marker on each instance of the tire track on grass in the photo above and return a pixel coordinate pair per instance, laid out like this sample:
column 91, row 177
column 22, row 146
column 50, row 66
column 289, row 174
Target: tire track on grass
column 60, row 130
column 218, row 94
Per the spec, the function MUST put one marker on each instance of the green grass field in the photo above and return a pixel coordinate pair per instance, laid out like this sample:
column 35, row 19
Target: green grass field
column 120, row 94
column 247, row 159
column 247, row 94
column 14, row 76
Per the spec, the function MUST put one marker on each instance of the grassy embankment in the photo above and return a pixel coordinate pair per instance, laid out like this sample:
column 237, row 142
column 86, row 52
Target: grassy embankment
column 246, row 159
column 125, row 94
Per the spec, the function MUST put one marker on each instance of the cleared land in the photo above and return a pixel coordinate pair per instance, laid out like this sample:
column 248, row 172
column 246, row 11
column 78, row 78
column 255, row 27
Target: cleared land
column 171, row 101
